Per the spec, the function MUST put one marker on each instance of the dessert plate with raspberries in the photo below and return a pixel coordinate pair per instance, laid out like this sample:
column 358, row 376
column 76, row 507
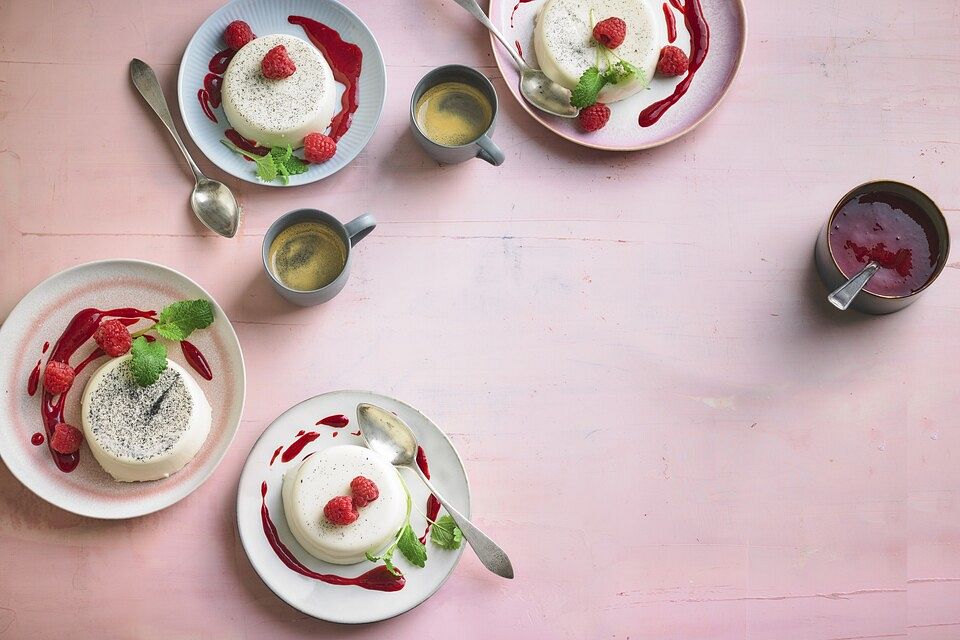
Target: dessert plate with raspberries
column 125, row 386
column 333, row 528
column 281, row 94
column 642, row 72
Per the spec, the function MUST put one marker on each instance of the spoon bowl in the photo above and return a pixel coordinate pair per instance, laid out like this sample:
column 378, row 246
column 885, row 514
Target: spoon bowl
column 388, row 435
column 215, row 207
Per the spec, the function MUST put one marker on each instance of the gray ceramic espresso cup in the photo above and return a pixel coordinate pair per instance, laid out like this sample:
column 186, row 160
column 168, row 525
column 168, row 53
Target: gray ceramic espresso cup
column 350, row 233
column 482, row 147
column 867, row 301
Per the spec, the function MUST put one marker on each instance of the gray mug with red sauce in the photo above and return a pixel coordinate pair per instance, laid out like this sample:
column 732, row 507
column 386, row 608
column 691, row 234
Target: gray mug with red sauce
column 894, row 224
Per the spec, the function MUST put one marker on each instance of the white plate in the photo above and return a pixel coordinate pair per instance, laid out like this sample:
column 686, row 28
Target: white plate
column 266, row 17
column 41, row 316
column 346, row 604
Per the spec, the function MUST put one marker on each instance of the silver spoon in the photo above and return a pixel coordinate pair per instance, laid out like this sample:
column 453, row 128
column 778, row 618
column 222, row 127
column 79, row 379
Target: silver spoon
column 536, row 87
column 212, row 201
column 843, row 297
column 390, row 436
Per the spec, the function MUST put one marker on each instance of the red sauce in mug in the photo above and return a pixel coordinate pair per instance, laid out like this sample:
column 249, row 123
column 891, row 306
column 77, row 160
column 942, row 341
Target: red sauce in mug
column 894, row 231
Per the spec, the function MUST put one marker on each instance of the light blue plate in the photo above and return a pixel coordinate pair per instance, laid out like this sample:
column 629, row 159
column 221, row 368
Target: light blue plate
column 266, row 17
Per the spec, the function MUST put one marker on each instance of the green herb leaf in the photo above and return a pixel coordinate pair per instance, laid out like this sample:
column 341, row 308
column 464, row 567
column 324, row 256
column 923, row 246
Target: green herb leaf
column 281, row 154
column 180, row 319
column 266, row 169
column 620, row 71
column 446, row 534
column 587, row 89
column 295, row 165
column 411, row 547
column 148, row 361
column 388, row 563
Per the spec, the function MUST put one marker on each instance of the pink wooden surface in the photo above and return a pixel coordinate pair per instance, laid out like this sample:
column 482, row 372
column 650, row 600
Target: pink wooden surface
column 663, row 423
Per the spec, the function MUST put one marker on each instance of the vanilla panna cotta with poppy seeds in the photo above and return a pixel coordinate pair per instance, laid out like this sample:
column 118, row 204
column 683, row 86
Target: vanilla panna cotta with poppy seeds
column 279, row 112
column 140, row 433
column 565, row 48
column 327, row 474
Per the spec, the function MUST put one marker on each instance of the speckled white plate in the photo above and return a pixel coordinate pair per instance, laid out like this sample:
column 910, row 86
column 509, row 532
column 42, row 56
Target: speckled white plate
column 40, row 317
column 345, row 604
column 266, row 17
column 728, row 36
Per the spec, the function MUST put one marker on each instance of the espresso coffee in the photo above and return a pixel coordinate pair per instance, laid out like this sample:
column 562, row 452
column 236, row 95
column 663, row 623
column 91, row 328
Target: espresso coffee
column 453, row 113
column 307, row 256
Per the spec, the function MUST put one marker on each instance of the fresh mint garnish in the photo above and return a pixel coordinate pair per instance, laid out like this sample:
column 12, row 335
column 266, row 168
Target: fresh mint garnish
column 411, row 547
column 280, row 163
column 588, row 88
column 180, row 319
column 446, row 534
column 148, row 361
column 175, row 322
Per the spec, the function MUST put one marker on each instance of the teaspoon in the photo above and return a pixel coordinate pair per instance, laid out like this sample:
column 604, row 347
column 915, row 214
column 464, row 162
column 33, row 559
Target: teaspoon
column 212, row 201
column 390, row 436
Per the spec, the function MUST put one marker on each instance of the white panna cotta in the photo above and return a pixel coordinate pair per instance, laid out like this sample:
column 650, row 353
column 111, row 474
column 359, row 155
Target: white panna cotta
column 276, row 113
column 143, row 433
column 327, row 474
column 563, row 40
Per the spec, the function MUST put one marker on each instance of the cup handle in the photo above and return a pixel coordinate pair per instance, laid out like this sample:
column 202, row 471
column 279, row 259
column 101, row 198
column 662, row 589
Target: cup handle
column 360, row 227
column 489, row 151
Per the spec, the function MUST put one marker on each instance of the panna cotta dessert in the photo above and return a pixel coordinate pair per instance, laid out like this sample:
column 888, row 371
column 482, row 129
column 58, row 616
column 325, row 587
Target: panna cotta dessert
column 565, row 47
column 324, row 478
column 282, row 111
column 143, row 433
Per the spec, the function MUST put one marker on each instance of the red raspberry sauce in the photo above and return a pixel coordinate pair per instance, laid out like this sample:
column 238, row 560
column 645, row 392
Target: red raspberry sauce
column 894, row 231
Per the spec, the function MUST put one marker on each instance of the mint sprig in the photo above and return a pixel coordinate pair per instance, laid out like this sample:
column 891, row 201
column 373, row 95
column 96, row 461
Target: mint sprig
column 148, row 361
column 280, row 163
column 175, row 322
column 446, row 534
column 178, row 320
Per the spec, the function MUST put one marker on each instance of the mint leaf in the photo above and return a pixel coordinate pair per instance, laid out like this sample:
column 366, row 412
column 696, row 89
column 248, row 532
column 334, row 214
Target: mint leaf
column 587, row 89
column 411, row 547
column 281, row 154
column 180, row 319
column 148, row 361
column 388, row 563
column 446, row 534
column 295, row 165
column 620, row 71
column 266, row 169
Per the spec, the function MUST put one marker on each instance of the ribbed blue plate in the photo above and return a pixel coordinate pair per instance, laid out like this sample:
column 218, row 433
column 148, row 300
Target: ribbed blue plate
column 266, row 17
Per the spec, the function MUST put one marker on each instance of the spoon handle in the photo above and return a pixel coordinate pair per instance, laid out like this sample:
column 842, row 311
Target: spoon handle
column 845, row 293
column 477, row 12
column 145, row 80
column 492, row 556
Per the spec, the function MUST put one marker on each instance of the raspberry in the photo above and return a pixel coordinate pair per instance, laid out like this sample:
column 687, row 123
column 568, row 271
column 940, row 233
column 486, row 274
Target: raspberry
column 318, row 148
column 594, row 117
column 277, row 64
column 673, row 61
column 237, row 34
column 58, row 377
column 340, row 510
column 364, row 491
column 66, row 438
column 610, row 32
column 112, row 336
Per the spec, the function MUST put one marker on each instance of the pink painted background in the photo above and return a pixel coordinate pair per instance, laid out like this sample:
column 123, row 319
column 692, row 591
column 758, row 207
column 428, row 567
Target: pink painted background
column 663, row 422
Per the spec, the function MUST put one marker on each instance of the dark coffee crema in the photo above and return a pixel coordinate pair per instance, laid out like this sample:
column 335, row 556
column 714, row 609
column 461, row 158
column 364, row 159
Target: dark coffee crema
column 891, row 229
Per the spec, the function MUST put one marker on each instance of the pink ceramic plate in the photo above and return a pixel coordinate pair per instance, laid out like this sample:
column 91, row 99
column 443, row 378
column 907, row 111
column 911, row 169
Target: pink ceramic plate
column 41, row 316
column 728, row 31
